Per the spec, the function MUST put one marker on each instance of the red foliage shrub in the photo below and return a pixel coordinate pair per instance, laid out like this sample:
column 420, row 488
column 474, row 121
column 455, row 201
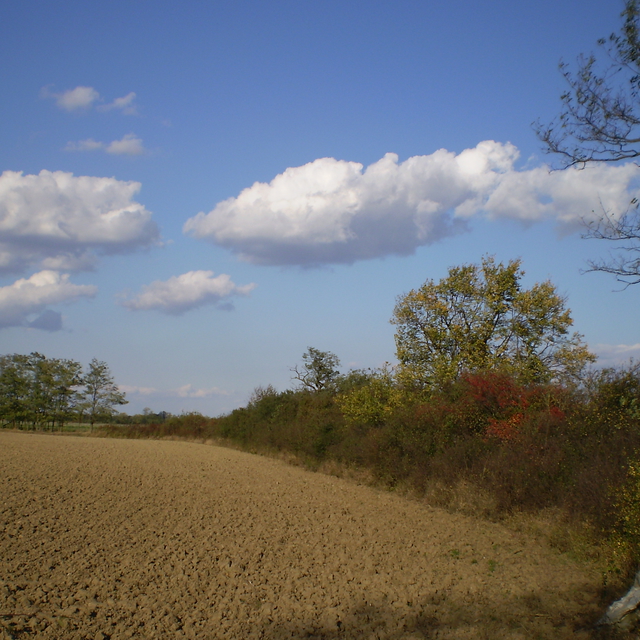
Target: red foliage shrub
column 505, row 429
column 498, row 406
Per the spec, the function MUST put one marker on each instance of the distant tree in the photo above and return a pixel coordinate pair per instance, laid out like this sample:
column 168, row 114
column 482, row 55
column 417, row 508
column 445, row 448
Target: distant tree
column 600, row 122
column 68, row 379
column 15, row 390
column 319, row 370
column 55, row 396
column 260, row 393
column 42, row 393
column 48, row 392
column 479, row 318
column 101, row 394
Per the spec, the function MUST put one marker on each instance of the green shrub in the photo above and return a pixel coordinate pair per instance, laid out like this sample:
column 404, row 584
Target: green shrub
column 624, row 536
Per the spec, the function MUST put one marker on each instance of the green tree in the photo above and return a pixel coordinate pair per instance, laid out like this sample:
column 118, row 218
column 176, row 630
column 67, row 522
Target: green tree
column 479, row 318
column 600, row 122
column 67, row 375
column 55, row 394
column 101, row 394
column 319, row 370
column 15, row 390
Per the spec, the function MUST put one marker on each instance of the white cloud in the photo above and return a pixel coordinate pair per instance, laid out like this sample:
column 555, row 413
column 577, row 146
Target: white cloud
column 611, row 355
column 78, row 99
column 186, row 391
column 60, row 221
column 187, row 291
column 84, row 98
column 334, row 211
column 30, row 296
column 124, row 104
column 567, row 196
column 129, row 145
column 82, row 261
column 141, row 391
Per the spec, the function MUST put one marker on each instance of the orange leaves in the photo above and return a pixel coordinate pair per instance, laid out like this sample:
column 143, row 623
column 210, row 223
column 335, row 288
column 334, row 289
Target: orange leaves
column 505, row 408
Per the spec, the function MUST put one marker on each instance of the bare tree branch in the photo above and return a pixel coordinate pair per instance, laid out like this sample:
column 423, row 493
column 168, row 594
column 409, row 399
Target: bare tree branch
column 600, row 122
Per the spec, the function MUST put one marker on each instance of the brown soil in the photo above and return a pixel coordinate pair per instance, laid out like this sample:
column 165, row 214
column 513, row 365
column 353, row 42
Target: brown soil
column 105, row 538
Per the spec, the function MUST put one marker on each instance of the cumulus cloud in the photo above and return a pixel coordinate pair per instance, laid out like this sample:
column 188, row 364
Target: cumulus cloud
column 59, row 221
column 78, row 99
column 335, row 211
column 29, row 296
column 124, row 104
column 84, row 98
column 567, row 197
column 129, row 145
column 187, row 291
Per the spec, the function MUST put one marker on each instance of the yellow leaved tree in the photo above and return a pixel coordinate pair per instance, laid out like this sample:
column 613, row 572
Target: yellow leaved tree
column 481, row 318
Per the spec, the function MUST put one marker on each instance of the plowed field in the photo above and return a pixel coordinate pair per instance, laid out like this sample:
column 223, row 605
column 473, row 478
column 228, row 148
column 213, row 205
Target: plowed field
column 103, row 538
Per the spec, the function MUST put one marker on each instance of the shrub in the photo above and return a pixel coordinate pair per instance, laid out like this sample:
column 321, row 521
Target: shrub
column 626, row 499
column 372, row 401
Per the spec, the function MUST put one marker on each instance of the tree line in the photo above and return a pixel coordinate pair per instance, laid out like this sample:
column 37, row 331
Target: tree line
column 46, row 393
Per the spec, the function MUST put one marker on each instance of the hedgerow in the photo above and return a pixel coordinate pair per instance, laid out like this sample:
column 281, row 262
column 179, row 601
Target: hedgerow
column 528, row 447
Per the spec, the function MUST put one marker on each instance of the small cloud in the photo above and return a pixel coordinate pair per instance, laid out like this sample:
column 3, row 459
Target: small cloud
column 185, row 292
column 188, row 391
column 84, row 145
column 85, row 261
column 124, row 104
column 129, row 145
column 29, row 296
column 140, row 391
column 84, row 98
column 78, row 99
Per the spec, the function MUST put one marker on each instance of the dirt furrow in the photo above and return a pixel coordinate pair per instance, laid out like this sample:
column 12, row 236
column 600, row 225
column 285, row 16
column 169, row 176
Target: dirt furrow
column 108, row 538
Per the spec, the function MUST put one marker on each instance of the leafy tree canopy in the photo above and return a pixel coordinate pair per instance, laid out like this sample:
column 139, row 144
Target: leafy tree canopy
column 45, row 392
column 479, row 317
column 101, row 394
column 319, row 370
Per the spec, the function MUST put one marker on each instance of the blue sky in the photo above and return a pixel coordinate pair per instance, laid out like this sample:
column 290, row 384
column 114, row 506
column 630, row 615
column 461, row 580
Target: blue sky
column 196, row 193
